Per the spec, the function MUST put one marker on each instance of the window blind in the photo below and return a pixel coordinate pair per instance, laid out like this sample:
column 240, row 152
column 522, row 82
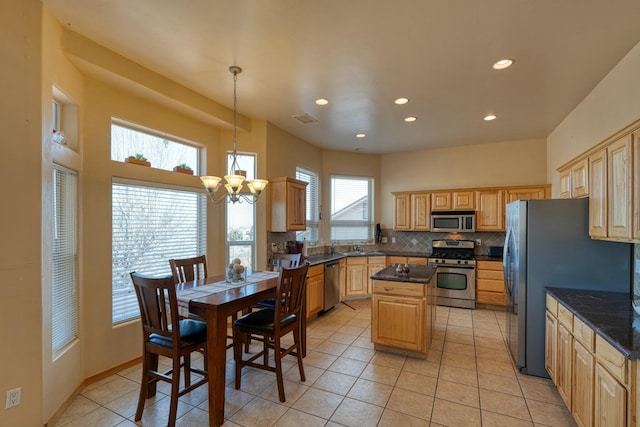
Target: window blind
column 64, row 292
column 150, row 225
column 313, row 210
column 351, row 209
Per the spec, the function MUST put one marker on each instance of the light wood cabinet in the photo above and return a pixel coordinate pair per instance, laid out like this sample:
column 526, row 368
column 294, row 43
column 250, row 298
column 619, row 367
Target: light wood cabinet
column 582, row 385
column 398, row 314
column 441, row 201
column 636, row 185
column 619, row 187
column 343, row 277
column 565, row 183
column 490, row 214
column 356, row 276
column 288, row 204
column 564, row 365
column 580, row 179
column 315, row 289
column 394, row 260
column 598, row 194
column 402, row 211
column 490, row 283
column 463, row 200
column 550, row 349
column 411, row 211
column 610, row 400
column 374, row 264
column 527, row 193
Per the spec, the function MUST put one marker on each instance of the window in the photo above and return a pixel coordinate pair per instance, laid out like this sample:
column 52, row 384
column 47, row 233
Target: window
column 241, row 219
column 163, row 153
column 64, row 299
column 150, row 225
column 351, row 209
column 313, row 210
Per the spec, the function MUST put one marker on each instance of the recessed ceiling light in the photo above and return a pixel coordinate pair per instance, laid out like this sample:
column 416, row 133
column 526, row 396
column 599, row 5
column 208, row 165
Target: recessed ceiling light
column 322, row 101
column 410, row 119
column 360, row 135
column 401, row 101
column 489, row 117
column 502, row 64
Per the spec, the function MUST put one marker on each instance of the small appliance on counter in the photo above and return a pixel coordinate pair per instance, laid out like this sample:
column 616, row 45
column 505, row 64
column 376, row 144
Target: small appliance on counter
column 495, row 251
column 294, row 247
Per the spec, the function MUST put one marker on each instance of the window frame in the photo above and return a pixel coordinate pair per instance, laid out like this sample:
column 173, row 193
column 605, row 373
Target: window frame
column 369, row 223
column 313, row 205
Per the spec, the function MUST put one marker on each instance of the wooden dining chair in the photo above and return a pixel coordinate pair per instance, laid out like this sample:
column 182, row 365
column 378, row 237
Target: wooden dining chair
column 164, row 334
column 188, row 269
column 272, row 324
column 280, row 261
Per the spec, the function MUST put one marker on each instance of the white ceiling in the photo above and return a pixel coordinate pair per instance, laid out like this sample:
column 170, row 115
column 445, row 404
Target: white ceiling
column 362, row 54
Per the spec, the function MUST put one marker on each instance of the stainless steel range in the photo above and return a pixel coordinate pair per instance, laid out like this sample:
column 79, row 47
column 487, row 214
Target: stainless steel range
column 455, row 272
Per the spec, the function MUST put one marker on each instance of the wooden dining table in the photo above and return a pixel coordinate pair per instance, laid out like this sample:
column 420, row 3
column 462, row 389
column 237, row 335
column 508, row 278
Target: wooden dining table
column 215, row 300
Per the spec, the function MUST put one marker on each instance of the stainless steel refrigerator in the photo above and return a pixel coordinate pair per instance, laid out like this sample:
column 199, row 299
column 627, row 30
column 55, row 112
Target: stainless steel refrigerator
column 547, row 244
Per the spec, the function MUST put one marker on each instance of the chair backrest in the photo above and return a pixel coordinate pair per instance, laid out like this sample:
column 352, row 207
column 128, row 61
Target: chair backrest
column 188, row 269
column 285, row 261
column 292, row 285
column 158, row 306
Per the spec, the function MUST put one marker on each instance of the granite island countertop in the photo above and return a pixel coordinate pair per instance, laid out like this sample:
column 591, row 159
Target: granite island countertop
column 609, row 314
column 417, row 274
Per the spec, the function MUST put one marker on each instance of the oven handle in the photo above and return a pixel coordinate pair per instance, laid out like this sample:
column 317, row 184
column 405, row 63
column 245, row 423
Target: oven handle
column 455, row 267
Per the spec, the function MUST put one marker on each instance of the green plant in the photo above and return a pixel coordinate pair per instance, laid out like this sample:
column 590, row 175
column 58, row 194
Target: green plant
column 139, row 156
column 184, row 166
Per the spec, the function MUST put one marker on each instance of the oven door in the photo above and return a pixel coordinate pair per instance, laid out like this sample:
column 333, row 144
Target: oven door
column 456, row 286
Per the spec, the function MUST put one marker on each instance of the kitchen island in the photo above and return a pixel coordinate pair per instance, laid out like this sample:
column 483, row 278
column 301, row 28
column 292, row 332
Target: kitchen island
column 403, row 310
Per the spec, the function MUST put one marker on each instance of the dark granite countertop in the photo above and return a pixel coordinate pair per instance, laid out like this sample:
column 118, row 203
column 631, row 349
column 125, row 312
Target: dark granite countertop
column 609, row 314
column 322, row 258
column 417, row 274
column 487, row 258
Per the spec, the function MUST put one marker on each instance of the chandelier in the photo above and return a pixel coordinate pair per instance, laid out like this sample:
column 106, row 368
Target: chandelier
column 235, row 190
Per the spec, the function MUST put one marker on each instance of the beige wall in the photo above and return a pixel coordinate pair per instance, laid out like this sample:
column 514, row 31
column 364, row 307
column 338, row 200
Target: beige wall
column 611, row 106
column 484, row 165
column 21, row 184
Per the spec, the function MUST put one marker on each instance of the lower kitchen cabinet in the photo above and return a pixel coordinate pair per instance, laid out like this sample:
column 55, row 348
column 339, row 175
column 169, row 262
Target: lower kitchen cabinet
column 343, row 277
column 394, row 260
column 356, row 277
column 490, row 283
column 315, row 289
column 597, row 382
column 399, row 316
column 374, row 264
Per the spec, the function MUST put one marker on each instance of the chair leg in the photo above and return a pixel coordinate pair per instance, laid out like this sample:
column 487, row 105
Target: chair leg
column 277, row 355
column 175, row 388
column 187, row 370
column 297, row 339
column 238, row 339
column 152, row 366
column 144, row 386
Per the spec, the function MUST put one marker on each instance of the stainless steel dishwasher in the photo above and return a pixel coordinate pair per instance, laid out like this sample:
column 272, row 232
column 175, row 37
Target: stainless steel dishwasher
column 331, row 284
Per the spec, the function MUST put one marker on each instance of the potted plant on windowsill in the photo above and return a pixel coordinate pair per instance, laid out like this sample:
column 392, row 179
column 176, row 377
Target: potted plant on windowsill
column 138, row 159
column 183, row 168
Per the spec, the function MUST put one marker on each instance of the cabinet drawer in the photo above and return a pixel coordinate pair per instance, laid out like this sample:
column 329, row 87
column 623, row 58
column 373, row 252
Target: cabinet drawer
column 583, row 333
column 490, row 285
column 489, row 265
column 490, row 274
column 315, row 270
column 377, row 260
column 612, row 359
column 552, row 305
column 493, row 298
column 382, row 287
column 357, row 260
column 565, row 317
column 417, row 260
column 393, row 260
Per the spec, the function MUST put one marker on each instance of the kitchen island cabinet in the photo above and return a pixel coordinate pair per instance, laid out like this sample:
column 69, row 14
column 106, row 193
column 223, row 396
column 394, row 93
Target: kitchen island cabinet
column 401, row 311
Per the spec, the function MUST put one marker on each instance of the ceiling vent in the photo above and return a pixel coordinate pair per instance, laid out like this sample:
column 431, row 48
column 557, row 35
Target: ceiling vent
column 304, row 118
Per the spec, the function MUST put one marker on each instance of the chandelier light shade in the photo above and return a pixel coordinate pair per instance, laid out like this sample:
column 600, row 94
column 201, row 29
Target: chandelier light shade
column 235, row 189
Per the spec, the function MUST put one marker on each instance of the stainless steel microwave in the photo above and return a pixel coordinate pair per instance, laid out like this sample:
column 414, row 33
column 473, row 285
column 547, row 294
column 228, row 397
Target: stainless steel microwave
column 453, row 221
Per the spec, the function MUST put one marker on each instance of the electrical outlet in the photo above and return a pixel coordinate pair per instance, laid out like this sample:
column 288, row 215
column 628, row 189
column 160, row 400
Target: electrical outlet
column 393, row 240
column 13, row 397
column 384, row 239
column 478, row 242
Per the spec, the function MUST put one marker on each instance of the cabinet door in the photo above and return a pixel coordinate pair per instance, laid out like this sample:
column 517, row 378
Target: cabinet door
column 315, row 294
column 636, row 185
column 401, row 212
column 565, row 183
column 598, row 194
column 394, row 260
column 398, row 322
column 296, row 206
column 550, row 350
column 343, row 278
column 610, row 400
column 563, row 367
column 582, row 385
column 356, row 282
column 580, row 179
column 441, row 201
column 371, row 270
column 620, row 208
column 530, row 193
column 463, row 200
column 490, row 214
column 421, row 211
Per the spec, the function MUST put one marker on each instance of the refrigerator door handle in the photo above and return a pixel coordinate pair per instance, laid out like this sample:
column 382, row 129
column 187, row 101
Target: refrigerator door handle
column 506, row 262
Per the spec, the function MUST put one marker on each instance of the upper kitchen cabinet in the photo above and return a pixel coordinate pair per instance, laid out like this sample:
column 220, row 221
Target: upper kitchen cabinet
column 636, row 185
column 528, row 193
column 619, row 186
column 288, row 204
column 598, row 194
column 490, row 214
column 411, row 211
column 574, row 179
column 452, row 200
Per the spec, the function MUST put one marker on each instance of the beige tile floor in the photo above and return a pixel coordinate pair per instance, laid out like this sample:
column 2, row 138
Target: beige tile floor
column 468, row 379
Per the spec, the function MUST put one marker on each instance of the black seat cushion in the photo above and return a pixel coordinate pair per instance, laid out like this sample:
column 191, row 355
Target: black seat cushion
column 191, row 332
column 263, row 320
